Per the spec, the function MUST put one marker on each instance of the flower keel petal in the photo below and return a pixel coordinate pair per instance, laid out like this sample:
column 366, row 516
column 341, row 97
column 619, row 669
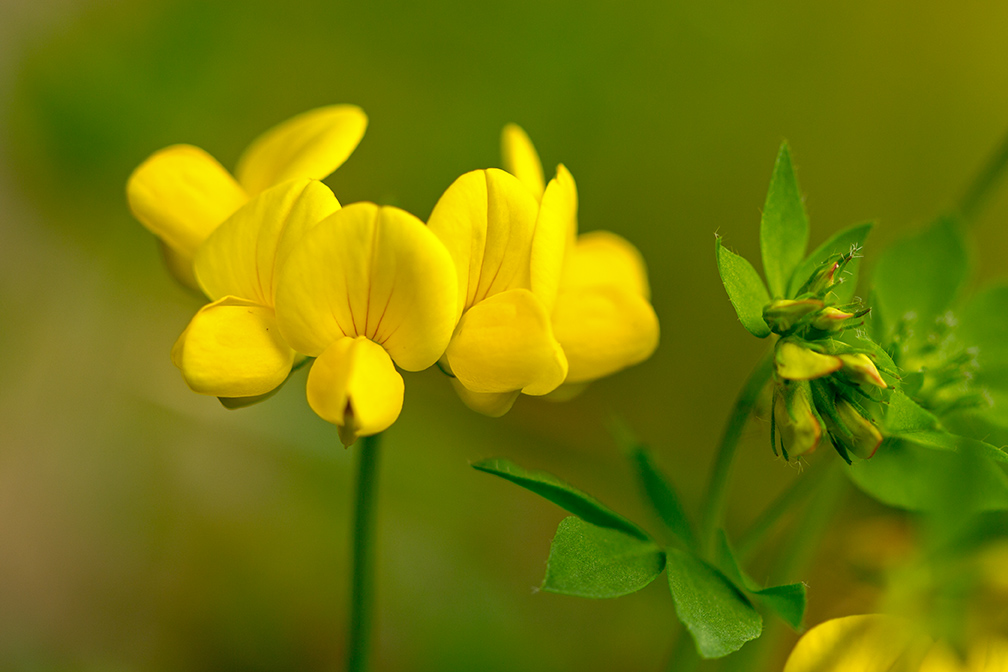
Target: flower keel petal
column 506, row 343
column 355, row 386
column 233, row 348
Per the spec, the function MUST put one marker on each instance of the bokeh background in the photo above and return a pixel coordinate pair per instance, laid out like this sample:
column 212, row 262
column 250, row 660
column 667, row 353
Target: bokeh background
column 143, row 527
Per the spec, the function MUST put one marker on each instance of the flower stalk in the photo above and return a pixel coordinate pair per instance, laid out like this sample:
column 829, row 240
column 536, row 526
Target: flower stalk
column 363, row 543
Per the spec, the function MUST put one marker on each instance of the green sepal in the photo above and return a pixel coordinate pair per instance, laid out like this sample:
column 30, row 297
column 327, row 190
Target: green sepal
column 787, row 601
column 717, row 615
column 746, row 290
column 597, row 562
column 661, row 495
column 564, row 495
column 842, row 242
column 784, row 227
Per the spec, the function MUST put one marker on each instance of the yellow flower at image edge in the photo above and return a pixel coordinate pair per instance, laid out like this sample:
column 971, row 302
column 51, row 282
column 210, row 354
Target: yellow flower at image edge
column 366, row 289
column 601, row 314
column 181, row 193
column 233, row 347
column 880, row 643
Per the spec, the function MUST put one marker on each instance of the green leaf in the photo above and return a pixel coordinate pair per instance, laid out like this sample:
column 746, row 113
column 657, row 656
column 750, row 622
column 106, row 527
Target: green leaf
column 919, row 277
column 784, row 228
column 787, row 601
column 590, row 561
column 718, row 616
column 983, row 323
column 905, row 416
column 839, row 243
column 746, row 290
column 909, row 476
column 662, row 496
column 544, row 484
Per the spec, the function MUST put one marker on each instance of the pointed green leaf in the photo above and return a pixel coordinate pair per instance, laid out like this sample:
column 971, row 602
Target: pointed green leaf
column 840, row 243
column 905, row 416
column 590, row 561
column 746, row 290
column 787, row 601
column 661, row 495
column 918, row 278
column 564, row 495
column 718, row 616
column 909, row 476
column 784, row 228
column 983, row 324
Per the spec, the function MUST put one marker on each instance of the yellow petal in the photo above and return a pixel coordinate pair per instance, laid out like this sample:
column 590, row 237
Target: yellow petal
column 180, row 267
column 873, row 643
column 181, row 194
column 555, row 233
column 488, row 403
column 374, row 272
column 232, row 348
column 486, row 219
column 603, row 258
column 506, row 343
column 240, row 258
column 521, row 159
column 312, row 144
column 794, row 362
column 354, row 385
column 985, row 655
column 603, row 330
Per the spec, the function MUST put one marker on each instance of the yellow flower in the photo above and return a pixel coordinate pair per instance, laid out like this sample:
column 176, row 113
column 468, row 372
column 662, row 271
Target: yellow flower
column 601, row 314
column 506, row 255
column 181, row 193
column 233, row 347
column 880, row 643
column 366, row 289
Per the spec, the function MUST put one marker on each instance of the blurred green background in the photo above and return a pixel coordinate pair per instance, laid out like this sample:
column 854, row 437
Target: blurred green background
column 143, row 527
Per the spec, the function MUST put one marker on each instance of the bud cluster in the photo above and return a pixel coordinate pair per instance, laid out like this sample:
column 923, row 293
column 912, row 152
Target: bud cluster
column 823, row 386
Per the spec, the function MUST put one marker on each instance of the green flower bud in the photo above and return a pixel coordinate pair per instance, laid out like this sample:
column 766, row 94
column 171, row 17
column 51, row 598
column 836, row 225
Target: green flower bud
column 794, row 420
column 797, row 362
column 783, row 314
column 860, row 369
column 858, row 434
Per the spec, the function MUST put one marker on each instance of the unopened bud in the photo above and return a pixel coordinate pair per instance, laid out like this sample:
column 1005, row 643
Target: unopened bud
column 859, row 435
column 783, row 314
column 860, row 369
column 795, row 362
column 831, row 319
column 795, row 421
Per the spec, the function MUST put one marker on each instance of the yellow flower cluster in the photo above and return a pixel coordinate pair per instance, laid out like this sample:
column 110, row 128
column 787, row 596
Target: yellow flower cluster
column 497, row 287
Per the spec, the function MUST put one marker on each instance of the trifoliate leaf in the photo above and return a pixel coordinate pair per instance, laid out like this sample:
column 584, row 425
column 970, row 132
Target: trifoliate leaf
column 564, row 495
column 787, row 601
column 917, row 278
column 718, row 616
column 784, row 228
column 590, row 561
column 909, row 476
column 746, row 290
column 840, row 243
column 662, row 496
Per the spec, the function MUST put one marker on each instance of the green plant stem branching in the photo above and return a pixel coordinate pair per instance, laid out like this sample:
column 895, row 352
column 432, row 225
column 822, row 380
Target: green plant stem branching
column 714, row 501
column 362, row 588
column 976, row 196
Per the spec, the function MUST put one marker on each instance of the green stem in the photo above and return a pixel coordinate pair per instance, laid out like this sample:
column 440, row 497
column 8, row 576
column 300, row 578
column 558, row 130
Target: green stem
column 714, row 502
column 786, row 502
column 362, row 589
column 983, row 184
column 684, row 656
